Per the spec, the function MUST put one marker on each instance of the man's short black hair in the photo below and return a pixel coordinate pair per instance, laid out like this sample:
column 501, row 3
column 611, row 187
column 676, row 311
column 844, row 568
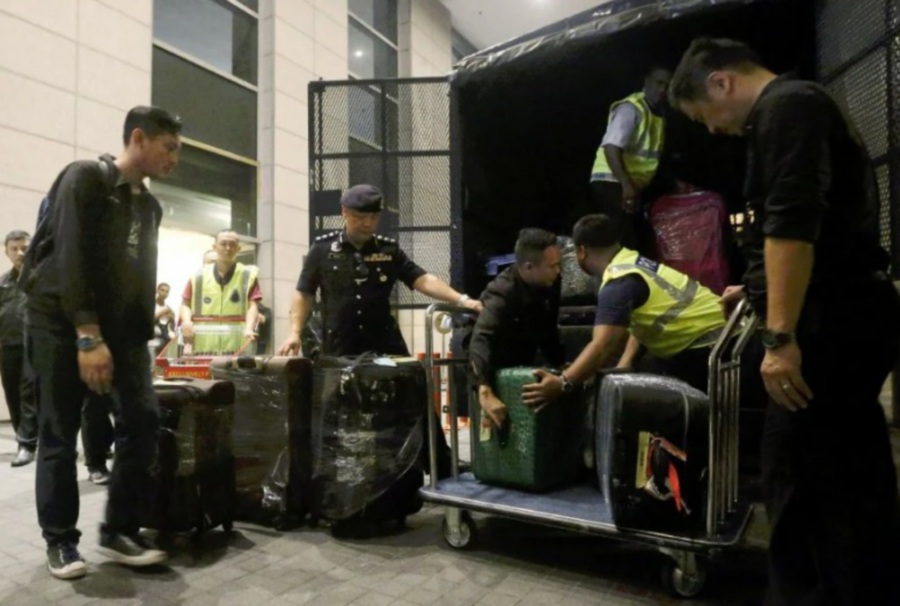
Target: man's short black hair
column 154, row 121
column 16, row 234
column 531, row 244
column 161, row 284
column 595, row 232
column 224, row 231
column 704, row 56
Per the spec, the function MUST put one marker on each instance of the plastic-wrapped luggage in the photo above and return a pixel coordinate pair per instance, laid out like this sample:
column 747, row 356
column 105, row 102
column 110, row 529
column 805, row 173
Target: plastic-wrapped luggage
column 367, row 434
column 271, row 433
column 534, row 451
column 652, row 452
column 690, row 238
column 194, row 487
column 578, row 288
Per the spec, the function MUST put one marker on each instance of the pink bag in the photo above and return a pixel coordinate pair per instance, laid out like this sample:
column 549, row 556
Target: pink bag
column 689, row 236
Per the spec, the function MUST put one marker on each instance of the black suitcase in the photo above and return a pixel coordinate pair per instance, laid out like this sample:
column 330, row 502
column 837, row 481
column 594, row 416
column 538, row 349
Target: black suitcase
column 652, row 452
column 271, row 426
column 193, row 488
column 367, row 433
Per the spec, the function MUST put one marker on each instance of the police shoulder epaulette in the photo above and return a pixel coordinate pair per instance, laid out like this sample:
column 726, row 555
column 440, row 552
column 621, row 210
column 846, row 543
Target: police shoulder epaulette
column 385, row 239
column 327, row 236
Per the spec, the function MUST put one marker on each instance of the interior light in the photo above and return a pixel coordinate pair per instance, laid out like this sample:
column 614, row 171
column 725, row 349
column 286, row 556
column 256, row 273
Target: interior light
column 358, row 53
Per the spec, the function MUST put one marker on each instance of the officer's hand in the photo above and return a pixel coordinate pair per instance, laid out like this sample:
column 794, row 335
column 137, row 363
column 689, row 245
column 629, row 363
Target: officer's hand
column 474, row 304
column 187, row 330
column 493, row 408
column 630, row 193
column 781, row 375
column 730, row 299
column 548, row 388
column 96, row 369
column 290, row 347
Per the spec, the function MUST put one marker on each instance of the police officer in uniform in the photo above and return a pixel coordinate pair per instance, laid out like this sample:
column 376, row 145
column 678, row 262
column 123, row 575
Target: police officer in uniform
column 355, row 269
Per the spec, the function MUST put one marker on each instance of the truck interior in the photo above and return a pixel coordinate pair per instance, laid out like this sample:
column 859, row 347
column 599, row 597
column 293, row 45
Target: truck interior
column 530, row 115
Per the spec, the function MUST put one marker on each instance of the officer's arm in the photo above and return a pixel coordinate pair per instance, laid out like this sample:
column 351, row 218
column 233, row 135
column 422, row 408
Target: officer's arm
column 301, row 306
column 606, row 341
column 250, row 319
column 631, row 351
column 434, row 287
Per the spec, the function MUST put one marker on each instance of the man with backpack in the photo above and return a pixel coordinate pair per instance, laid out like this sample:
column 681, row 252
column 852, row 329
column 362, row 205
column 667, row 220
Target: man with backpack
column 90, row 277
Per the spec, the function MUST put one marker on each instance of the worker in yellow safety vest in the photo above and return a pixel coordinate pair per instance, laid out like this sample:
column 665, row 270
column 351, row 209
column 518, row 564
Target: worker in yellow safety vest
column 629, row 154
column 222, row 289
column 675, row 318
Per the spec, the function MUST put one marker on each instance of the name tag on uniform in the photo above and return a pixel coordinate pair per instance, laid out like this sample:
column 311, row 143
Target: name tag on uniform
column 378, row 257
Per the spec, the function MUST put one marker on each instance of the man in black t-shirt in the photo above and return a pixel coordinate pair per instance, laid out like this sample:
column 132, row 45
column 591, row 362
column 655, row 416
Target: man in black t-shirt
column 816, row 275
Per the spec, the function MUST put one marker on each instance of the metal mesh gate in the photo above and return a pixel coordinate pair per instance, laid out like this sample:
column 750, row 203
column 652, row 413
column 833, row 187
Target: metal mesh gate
column 859, row 62
column 395, row 135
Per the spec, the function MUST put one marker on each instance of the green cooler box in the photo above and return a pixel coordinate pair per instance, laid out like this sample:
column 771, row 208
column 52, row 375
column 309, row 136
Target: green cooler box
column 535, row 451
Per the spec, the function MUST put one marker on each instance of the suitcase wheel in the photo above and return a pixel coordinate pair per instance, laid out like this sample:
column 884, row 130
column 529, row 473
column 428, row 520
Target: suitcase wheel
column 228, row 526
column 682, row 583
column 461, row 535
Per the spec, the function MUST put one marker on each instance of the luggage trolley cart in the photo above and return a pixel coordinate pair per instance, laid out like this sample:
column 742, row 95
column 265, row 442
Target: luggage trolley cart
column 583, row 508
column 214, row 336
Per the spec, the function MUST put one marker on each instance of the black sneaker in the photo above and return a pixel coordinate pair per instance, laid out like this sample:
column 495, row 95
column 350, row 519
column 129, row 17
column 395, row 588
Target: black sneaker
column 131, row 550
column 64, row 561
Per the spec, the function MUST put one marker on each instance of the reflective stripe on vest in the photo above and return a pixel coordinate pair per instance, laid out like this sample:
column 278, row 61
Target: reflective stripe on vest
column 679, row 313
column 642, row 155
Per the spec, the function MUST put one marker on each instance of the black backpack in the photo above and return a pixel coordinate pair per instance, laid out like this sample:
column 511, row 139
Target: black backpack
column 42, row 242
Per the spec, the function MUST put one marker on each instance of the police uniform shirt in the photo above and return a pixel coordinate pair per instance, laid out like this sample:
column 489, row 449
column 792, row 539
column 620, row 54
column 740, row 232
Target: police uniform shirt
column 356, row 285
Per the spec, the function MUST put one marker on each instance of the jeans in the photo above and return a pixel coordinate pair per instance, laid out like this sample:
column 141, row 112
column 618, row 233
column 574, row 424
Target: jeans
column 97, row 433
column 62, row 395
column 18, row 387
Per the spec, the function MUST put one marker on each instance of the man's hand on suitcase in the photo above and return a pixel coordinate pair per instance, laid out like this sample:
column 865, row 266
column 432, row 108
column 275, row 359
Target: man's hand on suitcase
column 96, row 369
column 492, row 407
column 548, row 388
column 290, row 347
column 730, row 299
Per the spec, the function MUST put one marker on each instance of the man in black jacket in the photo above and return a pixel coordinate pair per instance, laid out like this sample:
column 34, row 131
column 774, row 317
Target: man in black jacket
column 816, row 276
column 520, row 316
column 91, row 280
column 18, row 385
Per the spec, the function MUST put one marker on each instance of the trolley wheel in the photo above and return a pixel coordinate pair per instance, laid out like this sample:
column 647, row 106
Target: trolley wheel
column 681, row 583
column 228, row 525
column 465, row 536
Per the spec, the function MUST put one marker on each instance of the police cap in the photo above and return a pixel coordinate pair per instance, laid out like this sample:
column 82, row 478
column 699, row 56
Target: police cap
column 362, row 198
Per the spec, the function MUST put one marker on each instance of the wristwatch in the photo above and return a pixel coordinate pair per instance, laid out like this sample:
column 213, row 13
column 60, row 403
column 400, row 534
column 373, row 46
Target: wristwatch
column 567, row 385
column 88, row 342
column 775, row 340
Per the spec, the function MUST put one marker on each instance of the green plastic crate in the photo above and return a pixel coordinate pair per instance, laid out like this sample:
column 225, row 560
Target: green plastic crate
column 537, row 451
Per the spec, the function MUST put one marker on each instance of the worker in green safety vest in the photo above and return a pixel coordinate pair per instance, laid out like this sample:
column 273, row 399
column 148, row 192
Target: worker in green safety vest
column 629, row 154
column 223, row 289
column 671, row 315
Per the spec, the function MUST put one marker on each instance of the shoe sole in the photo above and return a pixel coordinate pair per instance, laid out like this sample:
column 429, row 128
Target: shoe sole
column 153, row 556
column 103, row 482
column 21, row 463
column 68, row 576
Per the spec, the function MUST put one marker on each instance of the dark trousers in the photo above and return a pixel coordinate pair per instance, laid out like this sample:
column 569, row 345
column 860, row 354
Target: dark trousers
column 62, row 394
column 18, row 387
column 828, row 475
column 97, row 433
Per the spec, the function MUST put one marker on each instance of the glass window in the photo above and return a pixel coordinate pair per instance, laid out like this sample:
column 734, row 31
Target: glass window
column 380, row 15
column 208, row 192
column 215, row 110
column 367, row 115
column 251, row 4
column 461, row 47
column 212, row 31
column 370, row 56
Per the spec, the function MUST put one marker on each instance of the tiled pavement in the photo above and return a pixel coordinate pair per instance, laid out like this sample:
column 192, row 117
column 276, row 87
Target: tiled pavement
column 516, row 565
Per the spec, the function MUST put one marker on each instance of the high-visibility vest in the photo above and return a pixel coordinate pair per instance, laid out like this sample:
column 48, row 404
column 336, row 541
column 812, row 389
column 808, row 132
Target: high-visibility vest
column 210, row 299
column 679, row 314
column 641, row 157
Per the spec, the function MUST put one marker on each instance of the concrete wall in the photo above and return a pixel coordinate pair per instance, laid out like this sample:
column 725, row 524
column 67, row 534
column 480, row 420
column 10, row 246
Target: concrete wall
column 69, row 71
